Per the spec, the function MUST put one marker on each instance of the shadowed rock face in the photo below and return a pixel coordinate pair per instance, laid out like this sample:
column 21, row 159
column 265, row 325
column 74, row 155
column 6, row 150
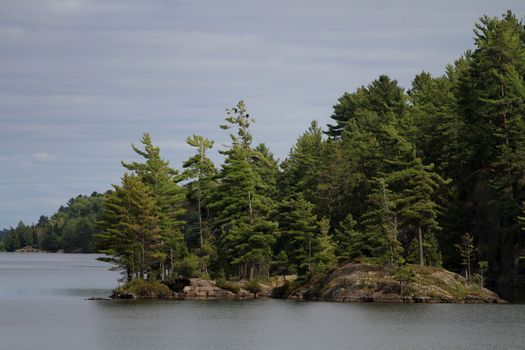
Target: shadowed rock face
column 366, row 283
column 178, row 284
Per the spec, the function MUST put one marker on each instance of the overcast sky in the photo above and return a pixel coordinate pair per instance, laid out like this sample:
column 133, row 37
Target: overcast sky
column 80, row 80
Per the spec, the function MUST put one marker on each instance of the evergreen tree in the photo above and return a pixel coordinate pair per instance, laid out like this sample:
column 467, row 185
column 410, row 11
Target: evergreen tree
column 325, row 258
column 168, row 196
column 130, row 229
column 202, row 171
column 381, row 102
column 438, row 124
column 467, row 251
column 432, row 255
column 301, row 168
column 415, row 185
column 298, row 231
column 381, row 222
column 242, row 206
column 490, row 98
column 267, row 169
column 12, row 240
column 352, row 243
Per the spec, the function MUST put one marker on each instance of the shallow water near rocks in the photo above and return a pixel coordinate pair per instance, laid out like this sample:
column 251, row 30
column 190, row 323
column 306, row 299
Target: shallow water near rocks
column 42, row 306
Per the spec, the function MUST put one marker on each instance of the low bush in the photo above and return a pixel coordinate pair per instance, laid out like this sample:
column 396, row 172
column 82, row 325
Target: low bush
column 253, row 286
column 227, row 285
column 145, row 289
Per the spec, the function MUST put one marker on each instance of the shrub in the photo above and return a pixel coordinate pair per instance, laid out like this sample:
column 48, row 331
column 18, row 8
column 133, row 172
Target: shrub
column 227, row 285
column 189, row 266
column 145, row 289
column 254, row 287
column 404, row 275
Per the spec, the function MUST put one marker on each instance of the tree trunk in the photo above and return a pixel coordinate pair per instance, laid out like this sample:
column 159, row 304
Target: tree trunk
column 310, row 253
column 420, row 242
column 468, row 262
column 171, row 261
column 142, row 258
column 201, row 236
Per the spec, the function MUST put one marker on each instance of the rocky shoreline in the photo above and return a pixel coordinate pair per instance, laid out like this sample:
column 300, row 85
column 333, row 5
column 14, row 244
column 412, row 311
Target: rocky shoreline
column 349, row 283
column 371, row 283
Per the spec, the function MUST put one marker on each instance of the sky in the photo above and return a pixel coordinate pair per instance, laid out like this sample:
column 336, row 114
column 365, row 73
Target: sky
column 80, row 80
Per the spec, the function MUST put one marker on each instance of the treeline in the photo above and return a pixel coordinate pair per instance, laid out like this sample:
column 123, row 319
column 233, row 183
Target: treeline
column 71, row 229
column 396, row 177
column 434, row 175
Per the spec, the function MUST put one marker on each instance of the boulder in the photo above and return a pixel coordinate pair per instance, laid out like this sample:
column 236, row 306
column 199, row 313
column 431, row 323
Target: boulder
column 367, row 282
column 200, row 288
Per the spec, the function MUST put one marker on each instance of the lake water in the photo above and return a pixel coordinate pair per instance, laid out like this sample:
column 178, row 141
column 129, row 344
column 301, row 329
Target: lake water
column 42, row 307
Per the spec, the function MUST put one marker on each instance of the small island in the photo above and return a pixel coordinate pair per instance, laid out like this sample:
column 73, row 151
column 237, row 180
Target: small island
column 352, row 282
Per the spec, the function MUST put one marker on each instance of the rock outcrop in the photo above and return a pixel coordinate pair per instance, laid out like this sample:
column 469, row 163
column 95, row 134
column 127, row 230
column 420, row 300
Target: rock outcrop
column 200, row 288
column 372, row 283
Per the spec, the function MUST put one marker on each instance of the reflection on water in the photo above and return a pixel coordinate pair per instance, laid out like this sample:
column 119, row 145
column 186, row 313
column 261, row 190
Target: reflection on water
column 42, row 306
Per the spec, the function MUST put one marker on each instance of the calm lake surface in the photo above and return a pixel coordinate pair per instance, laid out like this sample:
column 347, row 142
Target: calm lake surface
column 42, row 307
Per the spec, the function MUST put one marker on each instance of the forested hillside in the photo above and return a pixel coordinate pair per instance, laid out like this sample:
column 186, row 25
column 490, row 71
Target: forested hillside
column 71, row 229
column 432, row 175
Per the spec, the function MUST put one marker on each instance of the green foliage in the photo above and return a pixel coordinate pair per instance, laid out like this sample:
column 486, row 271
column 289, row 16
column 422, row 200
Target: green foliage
column 325, row 258
column 432, row 255
column 242, row 204
column 483, row 267
column 382, row 224
column 404, row 275
column 350, row 243
column 161, row 181
column 254, row 287
column 70, row 229
column 130, row 229
column 467, row 251
column 189, row 266
column 228, row 285
column 301, row 168
column 281, row 266
column 298, row 231
column 201, row 172
column 145, row 289
column 381, row 102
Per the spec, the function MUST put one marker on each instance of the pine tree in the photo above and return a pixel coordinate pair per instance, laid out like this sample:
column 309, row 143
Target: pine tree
column 241, row 204
column 438, row 124
column 298, row 231
column 352, row 243
column 432, row 253
column 467, row 251
column 381, row 102
column 415, row 185
column 130, row 231
column 168, row 196
column 267, row 169
column 381, row 222
column 301, row 168
column 490, row 98
column 325, row 258
column 202, row 171
column 12, row 240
